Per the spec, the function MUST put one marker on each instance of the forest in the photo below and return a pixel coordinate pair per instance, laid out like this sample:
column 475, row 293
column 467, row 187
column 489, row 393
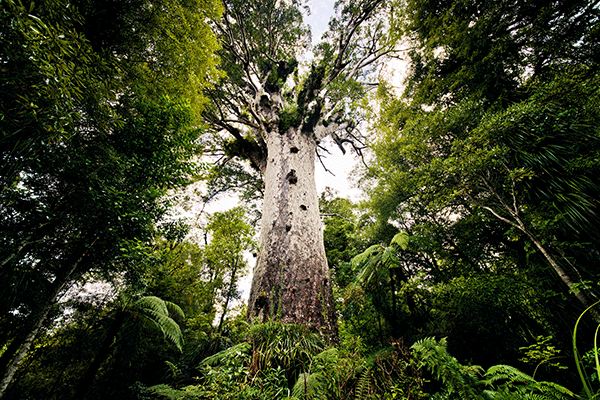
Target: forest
column 469, row 267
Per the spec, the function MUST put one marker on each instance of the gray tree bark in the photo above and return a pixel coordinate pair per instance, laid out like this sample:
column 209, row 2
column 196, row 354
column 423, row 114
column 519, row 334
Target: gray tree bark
column 27, row 340
column 517, row 222
column 291, row 281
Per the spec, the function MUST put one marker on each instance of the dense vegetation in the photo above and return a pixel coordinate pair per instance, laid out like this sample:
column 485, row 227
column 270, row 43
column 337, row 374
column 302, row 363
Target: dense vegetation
column 462, row 274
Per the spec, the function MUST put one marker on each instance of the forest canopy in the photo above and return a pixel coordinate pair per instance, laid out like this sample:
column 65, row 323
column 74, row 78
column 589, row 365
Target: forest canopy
column 463, row 273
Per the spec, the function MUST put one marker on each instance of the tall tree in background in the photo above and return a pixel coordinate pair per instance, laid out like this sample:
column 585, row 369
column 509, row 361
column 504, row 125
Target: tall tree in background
column 499, row 123
column 231, row 237
column 275, row 116
column 90, row 143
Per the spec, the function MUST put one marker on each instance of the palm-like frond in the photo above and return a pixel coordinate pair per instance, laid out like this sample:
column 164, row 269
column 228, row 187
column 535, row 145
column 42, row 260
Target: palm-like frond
column 401, row 239
column 369, row 261
column 157, row 313
column 366, row 255
column 150, row 303
column 241, row 350
column 175, row 311
column 376, row 258
column 506, row 373
column 512, row 382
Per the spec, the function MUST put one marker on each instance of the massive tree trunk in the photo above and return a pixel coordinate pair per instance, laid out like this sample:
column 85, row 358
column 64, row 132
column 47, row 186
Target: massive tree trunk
column 291, row 281
column 276, row 115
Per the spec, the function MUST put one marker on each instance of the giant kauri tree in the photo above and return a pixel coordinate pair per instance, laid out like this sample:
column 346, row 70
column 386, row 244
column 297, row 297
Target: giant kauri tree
column 275, row 115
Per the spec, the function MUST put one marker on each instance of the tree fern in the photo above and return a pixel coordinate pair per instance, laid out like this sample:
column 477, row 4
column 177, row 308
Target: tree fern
column 158, row 313
column 458, row 378
column 128, row 327
column 511, row 382
column 376, row 258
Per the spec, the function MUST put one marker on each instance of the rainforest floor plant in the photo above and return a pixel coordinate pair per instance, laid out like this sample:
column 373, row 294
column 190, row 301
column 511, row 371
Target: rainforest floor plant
column 290, row 362
column 585, row 379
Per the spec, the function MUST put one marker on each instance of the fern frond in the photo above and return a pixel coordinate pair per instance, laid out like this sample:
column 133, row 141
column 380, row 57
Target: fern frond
column 155, row 311
column 309, row 386
column 401, row 239
column 364, row 386
column 369, row 269
column 457, row 377
column 151, row 303
column 369, row 264
column 175, row 311
column 512, row 382
column 365, row 255
column 506, row 372
column 175, row 371
column 241, row 349
column 327, row 356
column 558, row 391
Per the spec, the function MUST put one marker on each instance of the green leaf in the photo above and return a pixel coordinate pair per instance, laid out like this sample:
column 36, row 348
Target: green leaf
column 401, row 239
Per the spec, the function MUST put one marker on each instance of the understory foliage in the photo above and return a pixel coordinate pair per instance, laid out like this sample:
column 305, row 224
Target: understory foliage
column 256, row 369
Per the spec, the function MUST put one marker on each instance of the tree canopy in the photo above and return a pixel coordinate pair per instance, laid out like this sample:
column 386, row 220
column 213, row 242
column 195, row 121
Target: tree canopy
column 91, row 142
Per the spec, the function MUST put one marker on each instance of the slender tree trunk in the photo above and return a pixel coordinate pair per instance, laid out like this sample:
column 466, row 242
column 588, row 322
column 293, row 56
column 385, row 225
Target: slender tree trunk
column 291, row 280
column 24, row 343
column 227, row 297
column 9, row 353
column 579, row 294
column 38, row 318
column 518, row 223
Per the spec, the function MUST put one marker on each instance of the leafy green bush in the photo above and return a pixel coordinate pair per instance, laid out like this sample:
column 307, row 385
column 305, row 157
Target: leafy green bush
column 289, row 362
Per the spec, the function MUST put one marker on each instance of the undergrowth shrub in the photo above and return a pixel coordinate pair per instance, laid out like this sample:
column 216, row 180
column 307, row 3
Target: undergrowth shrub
column 289, row 362
column 287, row 346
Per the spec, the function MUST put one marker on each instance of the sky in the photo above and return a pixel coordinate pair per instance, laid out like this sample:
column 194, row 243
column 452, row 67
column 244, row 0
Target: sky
column 339, row 165
column 321, row 12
